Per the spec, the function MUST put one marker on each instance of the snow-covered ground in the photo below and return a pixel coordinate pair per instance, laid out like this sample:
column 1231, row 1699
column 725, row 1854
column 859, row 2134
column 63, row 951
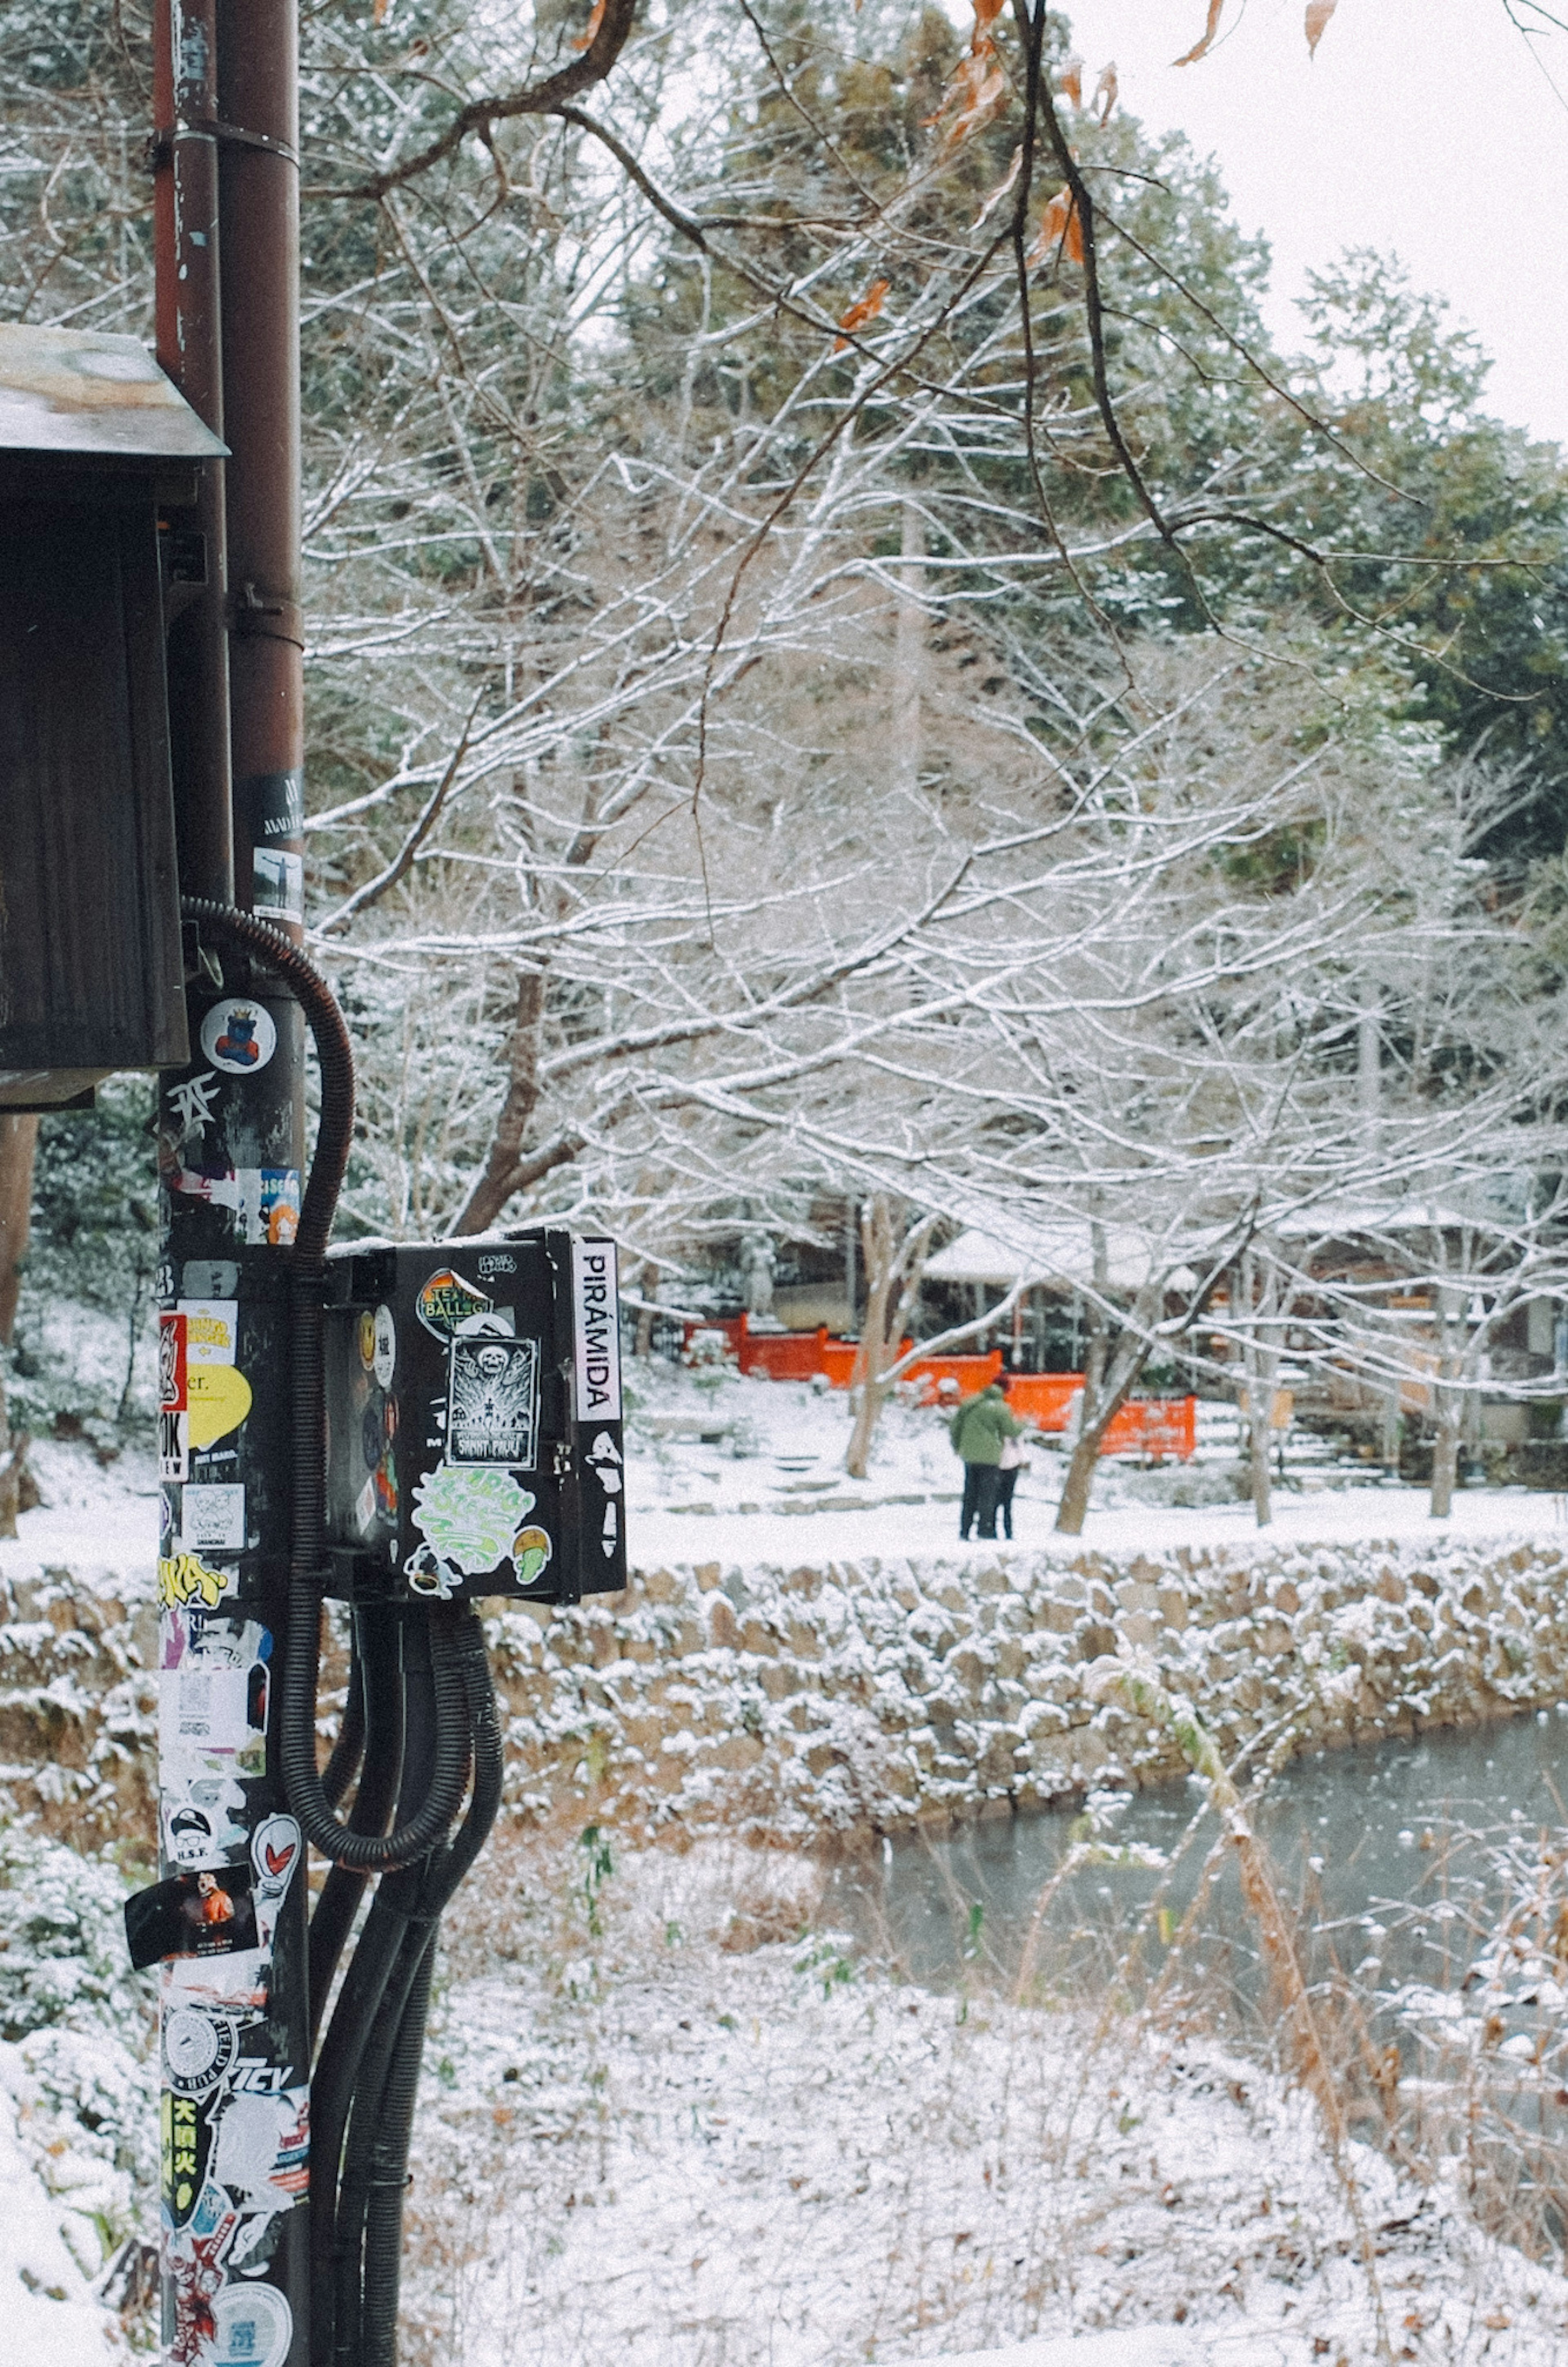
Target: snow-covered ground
column 659, row 2143
column 772, row 1488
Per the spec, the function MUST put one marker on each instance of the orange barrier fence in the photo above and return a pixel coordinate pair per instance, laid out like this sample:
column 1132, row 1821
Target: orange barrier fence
column 1155, row 1427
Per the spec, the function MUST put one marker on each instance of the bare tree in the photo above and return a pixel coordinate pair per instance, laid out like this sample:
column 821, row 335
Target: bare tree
column 894, row 1247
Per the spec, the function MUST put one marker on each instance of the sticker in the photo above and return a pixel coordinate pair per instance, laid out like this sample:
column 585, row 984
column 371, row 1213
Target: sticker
column 206, row 1914
column 173, row 1445
column 383, row 1354
column 203, row 1706
column 273, row 804
column 172, row 1363
column 496, row 1261
column 596, row 1327
column 470, row 1517
column 208, row 1278
column 277, row 884
column 213, row 1517
column 274, row 1851
column 610, row 1531
column 253, row 2325
column 386, row 1485
column 238, row 1036
column 196, row 2269
column 233, row 1983
column 185, row 1578
column 365, row 1506
column 262, row 2154
column 189, row 1833
column 269, row 1203
column 214, row 1678
column 603, row 1457
column 530, row 1551
column 185, row 2149
column 220, row 1399
column 212, row 1329
column 192, row 1102
column 447, row 1301
column 203, row 1809
column 494, row 1403
column 428, row 1575
column 199, row 2049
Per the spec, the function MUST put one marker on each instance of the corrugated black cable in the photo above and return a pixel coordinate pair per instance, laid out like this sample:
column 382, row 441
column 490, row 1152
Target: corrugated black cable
column 381, row 2182
column 378, row 1655
column 301, row 1660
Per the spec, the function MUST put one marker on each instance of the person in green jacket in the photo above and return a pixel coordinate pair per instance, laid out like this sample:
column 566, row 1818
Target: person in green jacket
column 977, row 1431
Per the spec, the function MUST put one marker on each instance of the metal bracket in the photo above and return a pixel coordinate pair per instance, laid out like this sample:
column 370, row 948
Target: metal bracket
column 161, row 146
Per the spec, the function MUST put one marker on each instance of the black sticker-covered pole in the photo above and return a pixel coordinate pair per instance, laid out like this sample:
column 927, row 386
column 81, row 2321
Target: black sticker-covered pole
column 226, row 1922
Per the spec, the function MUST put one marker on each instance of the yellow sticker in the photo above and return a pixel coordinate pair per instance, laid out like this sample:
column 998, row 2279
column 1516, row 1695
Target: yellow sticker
column 219, row 1397
column 185, row 1578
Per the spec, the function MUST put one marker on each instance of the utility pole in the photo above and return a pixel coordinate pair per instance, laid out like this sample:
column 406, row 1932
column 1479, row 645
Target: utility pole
column 411, row 1429
column 234, row 2023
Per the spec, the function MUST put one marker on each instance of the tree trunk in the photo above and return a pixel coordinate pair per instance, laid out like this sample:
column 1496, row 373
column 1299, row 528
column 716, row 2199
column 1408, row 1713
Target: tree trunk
column 894, row 1266
column 908, row 657
column 1132, row 1354
column 1445, row 1456
column 1448, row 1405
column 500, row 1178
column 1261, row 1359
column 642, row 1347
column 18, row 1141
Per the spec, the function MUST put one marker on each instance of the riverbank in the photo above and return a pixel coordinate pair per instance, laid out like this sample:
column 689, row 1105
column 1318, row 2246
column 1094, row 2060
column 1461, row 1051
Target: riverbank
column 656, row 2127
column 826, row 1699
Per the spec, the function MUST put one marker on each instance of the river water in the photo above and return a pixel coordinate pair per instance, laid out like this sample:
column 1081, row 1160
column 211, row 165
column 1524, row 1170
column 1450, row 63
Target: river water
column 1396, row 1859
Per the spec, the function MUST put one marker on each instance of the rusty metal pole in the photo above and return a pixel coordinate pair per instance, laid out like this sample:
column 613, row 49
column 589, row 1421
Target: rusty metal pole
column 189, row 299
column 258, row 83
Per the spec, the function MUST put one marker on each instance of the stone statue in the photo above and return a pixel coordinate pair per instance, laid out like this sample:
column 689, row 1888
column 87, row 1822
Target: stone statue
column 757, row 1263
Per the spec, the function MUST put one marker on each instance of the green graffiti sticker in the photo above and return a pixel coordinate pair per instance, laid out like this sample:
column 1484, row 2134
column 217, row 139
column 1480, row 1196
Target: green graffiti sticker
column 468, row 1516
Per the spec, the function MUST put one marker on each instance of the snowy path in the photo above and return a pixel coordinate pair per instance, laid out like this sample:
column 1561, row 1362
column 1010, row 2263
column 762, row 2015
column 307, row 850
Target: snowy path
column 662, row 1536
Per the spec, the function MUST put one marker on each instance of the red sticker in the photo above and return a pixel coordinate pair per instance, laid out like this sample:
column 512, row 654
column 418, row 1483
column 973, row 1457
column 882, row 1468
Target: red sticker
column 172, row 1363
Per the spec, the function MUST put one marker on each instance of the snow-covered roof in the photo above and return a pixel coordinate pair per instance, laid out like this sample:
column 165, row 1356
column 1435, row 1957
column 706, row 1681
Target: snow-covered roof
column 1062, row 1252
column 1349, row 1221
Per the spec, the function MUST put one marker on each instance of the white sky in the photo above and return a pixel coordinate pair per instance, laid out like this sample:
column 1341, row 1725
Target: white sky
column 1426, row 127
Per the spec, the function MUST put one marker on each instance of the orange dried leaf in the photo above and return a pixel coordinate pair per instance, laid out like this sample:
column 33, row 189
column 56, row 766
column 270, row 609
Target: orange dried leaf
column 986, row 13
column 976, row 93
column 1070, row 83
column 1105, row 91
column 1059, row 227
column 586, row 41
column 864, row 308
column 1317, row 17
column 1201, row 49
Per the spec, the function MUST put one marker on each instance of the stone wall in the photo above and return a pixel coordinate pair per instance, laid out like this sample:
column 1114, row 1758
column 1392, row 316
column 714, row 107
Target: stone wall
column 813, row 1702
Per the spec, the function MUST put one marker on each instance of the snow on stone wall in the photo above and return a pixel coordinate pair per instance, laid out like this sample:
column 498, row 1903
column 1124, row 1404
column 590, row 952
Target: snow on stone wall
column 804, row 1703
column 78, row 1702
column 798, row 1703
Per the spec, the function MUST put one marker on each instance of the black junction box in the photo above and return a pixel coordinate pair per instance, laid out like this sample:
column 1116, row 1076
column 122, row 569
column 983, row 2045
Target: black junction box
column 474, row 1440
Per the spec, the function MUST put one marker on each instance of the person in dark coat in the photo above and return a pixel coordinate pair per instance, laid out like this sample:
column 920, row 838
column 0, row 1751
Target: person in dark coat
column 978, row 1431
